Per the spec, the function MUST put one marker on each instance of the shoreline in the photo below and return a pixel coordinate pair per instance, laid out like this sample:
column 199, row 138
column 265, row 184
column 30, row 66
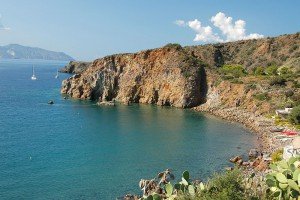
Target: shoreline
column 257, row 125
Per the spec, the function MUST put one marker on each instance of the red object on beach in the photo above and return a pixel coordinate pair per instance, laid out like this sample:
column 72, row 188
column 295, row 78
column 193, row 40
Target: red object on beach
column 290, row 132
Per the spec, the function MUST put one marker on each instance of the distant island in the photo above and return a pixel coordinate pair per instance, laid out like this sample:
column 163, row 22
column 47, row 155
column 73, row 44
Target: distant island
column 16, row 51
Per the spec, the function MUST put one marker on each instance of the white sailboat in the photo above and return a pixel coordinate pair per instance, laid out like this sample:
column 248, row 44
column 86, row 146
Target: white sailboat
column 56, row 76
column 33, row 77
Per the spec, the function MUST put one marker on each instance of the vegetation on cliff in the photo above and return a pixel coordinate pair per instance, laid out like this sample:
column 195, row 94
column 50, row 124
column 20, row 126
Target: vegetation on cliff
column 294, row 117
column 256, row 74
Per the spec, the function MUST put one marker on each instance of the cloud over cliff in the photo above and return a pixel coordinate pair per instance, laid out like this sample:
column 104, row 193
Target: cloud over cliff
column 230, row 31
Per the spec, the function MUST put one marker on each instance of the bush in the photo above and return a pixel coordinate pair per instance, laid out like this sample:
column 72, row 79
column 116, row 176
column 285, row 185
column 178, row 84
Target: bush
column 259, row 71
column 233, row 70
column 232, row 185
column 296, row 84
column 294, row 116
column 262, row 96
column 272, row 70
column 225, row 186
column 284, row 70
column 236, row 81
column 277, row 80
column 277, row 155
column 173, row 45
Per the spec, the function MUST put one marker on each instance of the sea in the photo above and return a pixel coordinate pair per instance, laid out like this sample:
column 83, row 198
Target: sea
column 75, row 149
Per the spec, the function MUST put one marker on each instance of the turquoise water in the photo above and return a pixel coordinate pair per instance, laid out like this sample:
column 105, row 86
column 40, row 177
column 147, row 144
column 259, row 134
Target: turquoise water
column 77, row 150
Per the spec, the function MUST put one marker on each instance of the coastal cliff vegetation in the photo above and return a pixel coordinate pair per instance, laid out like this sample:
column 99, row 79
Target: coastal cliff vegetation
column 255, row 76
column 245, row 81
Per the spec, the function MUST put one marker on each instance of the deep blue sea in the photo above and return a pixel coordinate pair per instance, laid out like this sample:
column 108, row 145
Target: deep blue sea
column 77, row 150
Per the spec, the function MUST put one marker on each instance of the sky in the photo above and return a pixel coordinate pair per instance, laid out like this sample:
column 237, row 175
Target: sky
column 90, row 29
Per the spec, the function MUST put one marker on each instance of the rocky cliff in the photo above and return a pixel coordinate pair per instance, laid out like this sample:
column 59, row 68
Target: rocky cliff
column 163, row 76
column 188, row 76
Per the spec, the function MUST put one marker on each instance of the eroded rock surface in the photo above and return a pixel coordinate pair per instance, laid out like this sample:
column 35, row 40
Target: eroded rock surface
column 164, row 76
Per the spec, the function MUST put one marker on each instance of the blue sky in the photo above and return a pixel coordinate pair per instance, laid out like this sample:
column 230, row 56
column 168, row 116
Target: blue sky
column 87, row 29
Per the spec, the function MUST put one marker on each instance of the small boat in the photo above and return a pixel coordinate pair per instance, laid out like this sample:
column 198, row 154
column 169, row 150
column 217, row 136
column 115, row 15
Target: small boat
column 33, row 77
column 56, row 76
column 289, row 132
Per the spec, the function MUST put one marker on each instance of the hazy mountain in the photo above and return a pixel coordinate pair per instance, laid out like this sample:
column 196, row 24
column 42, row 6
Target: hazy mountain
column 16, row 51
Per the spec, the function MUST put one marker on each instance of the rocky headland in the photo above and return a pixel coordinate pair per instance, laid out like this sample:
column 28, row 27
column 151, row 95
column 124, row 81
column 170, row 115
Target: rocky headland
column 192, row 77
column 166, row 76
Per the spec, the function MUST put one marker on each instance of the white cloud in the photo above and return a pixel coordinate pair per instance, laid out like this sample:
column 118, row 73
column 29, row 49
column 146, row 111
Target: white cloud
column 230, row 31
column 203, row 33
column 180, row 22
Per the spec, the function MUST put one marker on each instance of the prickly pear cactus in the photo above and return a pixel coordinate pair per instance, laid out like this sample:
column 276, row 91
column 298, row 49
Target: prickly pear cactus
column 284, row 180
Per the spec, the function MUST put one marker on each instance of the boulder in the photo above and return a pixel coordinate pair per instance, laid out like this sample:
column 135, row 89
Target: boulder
column 262, row 166
column 253, row 153
column 235, row 159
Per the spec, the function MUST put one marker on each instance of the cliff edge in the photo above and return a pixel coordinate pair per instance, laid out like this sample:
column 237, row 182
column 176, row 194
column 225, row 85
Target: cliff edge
column 164, row 76
column 190, row 76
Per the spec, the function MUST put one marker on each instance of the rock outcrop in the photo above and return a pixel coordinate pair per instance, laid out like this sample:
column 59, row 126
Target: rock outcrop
column 75, row 67
column 176, row 76
column 164, row 76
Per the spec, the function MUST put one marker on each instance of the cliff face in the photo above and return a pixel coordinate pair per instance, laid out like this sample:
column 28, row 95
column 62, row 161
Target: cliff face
column 176, row 76
column 164, row 76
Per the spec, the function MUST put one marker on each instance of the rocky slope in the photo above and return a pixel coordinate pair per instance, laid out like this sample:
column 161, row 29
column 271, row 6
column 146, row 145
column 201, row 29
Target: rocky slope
column 164, row 76
column 176, row 76
column 252, row 53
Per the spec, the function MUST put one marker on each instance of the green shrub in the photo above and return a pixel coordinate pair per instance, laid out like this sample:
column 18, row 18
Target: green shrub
column 271, row 70
column 277, row 155
column 173, row 45
column 294, row 116
column 262, row 96
column 232, row 185
column 233, row 70
column 296, row 84
column 225, row 186
column 259, row 71
column 227, row 77
column 285, row 70
column 236, row 81
column 277, row 80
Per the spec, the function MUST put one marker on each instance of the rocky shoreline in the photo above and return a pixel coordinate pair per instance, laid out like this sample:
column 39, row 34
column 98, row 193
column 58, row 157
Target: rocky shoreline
column 258, row 125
